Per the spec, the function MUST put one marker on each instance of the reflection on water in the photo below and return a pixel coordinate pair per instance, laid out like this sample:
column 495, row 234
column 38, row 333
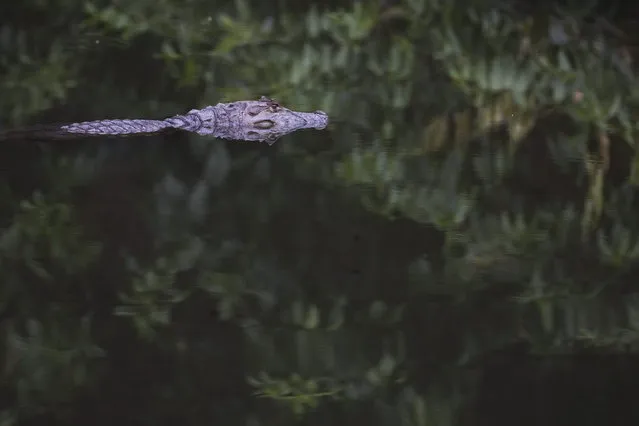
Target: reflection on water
column 459, row 247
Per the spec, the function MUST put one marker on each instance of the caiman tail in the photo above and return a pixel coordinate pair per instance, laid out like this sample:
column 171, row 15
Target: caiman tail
column 66, row 132
column 47, row 132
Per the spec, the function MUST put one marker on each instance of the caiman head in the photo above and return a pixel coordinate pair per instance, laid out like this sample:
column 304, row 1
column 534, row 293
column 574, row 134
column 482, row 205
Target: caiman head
column 263, row 120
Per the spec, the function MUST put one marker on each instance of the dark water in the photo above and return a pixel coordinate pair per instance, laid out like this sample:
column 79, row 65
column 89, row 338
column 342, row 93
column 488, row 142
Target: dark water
column 430, row 258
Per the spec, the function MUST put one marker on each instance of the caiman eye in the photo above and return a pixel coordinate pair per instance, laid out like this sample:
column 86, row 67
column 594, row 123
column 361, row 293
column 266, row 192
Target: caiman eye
column 264, row 124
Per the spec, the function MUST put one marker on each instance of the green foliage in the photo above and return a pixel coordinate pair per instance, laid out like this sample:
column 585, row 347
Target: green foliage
column 475, row 190
column 33, row 80
column 49, row 353
column 151, row 297
column 298, row 394
column 51, row 365
column 45, row 231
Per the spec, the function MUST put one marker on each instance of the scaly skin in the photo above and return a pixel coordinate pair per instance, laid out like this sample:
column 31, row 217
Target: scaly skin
column 263, row 120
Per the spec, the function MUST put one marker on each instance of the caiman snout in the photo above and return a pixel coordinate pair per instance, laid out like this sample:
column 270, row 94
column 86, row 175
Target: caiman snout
column 316, row 120
column 323, row 122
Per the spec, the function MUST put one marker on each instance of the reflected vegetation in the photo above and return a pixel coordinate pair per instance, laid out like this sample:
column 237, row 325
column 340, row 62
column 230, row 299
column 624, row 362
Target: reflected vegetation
column 463, row 234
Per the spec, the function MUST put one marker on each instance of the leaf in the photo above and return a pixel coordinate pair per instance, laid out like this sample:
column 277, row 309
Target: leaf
column 161, row 316
column 417, row 6
column 563, row 62
column 226, row 308
column 312, row 317
column 297, row 312
column 253, row 382
column 340, row 60
column 336, row 317
column 559, row 91
column 198, row 201
column 243, row 10
column 373, row 376
column 313, row 23
column 38, row 269
column 498, row 75
column 387, row 365
column 481, row 75
column 614, row 107
column 419, row 407
column 173, row 187
column 218, row 165
column 377, row 309
column 546, row 314
column 125, row 311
